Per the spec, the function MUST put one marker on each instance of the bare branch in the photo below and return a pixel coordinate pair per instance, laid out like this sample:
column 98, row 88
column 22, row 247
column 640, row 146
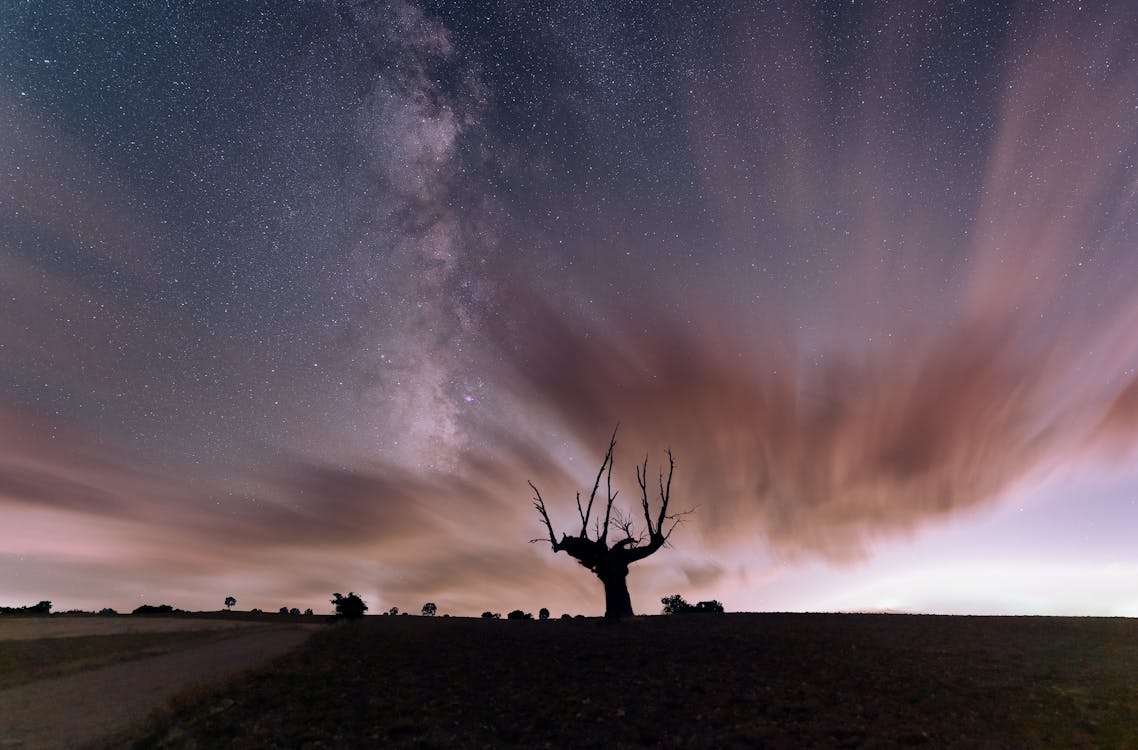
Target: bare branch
column 596, row 484
column 539, row 503
column 603, row 536
column 624, row 523
column 677, row 519
column 665, row 493
column 642, row 480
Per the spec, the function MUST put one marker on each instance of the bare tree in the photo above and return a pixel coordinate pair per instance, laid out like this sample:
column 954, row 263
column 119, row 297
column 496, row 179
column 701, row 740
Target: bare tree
column 610, row 563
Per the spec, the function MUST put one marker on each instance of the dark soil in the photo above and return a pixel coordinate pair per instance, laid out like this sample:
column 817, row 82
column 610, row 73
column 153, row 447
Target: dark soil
column 684, row 681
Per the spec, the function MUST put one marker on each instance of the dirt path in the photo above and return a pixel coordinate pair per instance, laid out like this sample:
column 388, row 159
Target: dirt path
column 78, row 709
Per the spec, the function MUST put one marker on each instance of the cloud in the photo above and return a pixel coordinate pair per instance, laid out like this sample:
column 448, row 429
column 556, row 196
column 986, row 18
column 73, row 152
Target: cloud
column 957, row 334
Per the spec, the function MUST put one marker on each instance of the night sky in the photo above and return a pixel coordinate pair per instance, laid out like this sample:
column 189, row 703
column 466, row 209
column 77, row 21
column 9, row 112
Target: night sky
column 295, row 298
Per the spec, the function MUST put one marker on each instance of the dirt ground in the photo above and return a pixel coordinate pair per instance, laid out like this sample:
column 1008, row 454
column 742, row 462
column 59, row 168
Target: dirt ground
column 684, row 681
column 88, row 707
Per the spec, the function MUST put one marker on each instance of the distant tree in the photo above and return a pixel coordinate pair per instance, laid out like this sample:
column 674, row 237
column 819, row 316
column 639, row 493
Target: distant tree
column 487, row 615
column 675, row 604
column 294, row 611
column 42, row 608
column 149, row 609
column 350, row 607
column 429, row 609
column 543, row 614
column 308, row 611
column 393, row 611
column 229, row 602
column 107, row 611
column 283, row 610
column 566, row 616
column 517, row 614
column 610, row 563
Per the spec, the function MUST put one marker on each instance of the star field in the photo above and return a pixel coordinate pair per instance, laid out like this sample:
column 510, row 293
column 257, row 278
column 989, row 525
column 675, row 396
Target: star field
column 298, row 296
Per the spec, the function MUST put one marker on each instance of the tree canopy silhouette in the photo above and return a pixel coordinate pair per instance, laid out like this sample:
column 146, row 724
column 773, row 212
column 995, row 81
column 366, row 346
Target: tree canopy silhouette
column 350, row 607
column 229, row 602
column 610, row 563
column 42, row 608
column 677, row 605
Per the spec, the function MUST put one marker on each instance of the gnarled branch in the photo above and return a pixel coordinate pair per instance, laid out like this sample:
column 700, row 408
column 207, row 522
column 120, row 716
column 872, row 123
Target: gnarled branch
column 539, row 503
column 593, row 552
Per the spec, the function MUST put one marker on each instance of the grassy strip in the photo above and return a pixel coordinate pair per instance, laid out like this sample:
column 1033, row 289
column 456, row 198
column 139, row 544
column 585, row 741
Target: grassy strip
column 24, row 661
column 681, row 682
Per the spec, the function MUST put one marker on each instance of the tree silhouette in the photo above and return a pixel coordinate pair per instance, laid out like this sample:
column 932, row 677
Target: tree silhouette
column 429, row 609
column 350, row 607
column 229, row 602
column 610, row 564
column 543, row 614
column 677, row 605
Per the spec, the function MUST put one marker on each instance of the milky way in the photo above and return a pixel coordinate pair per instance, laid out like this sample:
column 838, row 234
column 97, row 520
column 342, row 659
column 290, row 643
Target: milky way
column 296, row 299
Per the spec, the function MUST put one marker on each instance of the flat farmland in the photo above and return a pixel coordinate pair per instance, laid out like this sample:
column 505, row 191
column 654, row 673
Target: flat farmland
column 686, row 681
column 69, row 681
column 69, row 626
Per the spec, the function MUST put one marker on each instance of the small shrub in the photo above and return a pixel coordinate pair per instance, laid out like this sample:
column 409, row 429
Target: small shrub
column 350, row 607
column 713, row 606
column 149, row 609
column 675, row 604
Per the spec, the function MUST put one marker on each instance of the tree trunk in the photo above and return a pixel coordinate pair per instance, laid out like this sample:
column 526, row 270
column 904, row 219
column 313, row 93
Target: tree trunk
column 617, row 602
